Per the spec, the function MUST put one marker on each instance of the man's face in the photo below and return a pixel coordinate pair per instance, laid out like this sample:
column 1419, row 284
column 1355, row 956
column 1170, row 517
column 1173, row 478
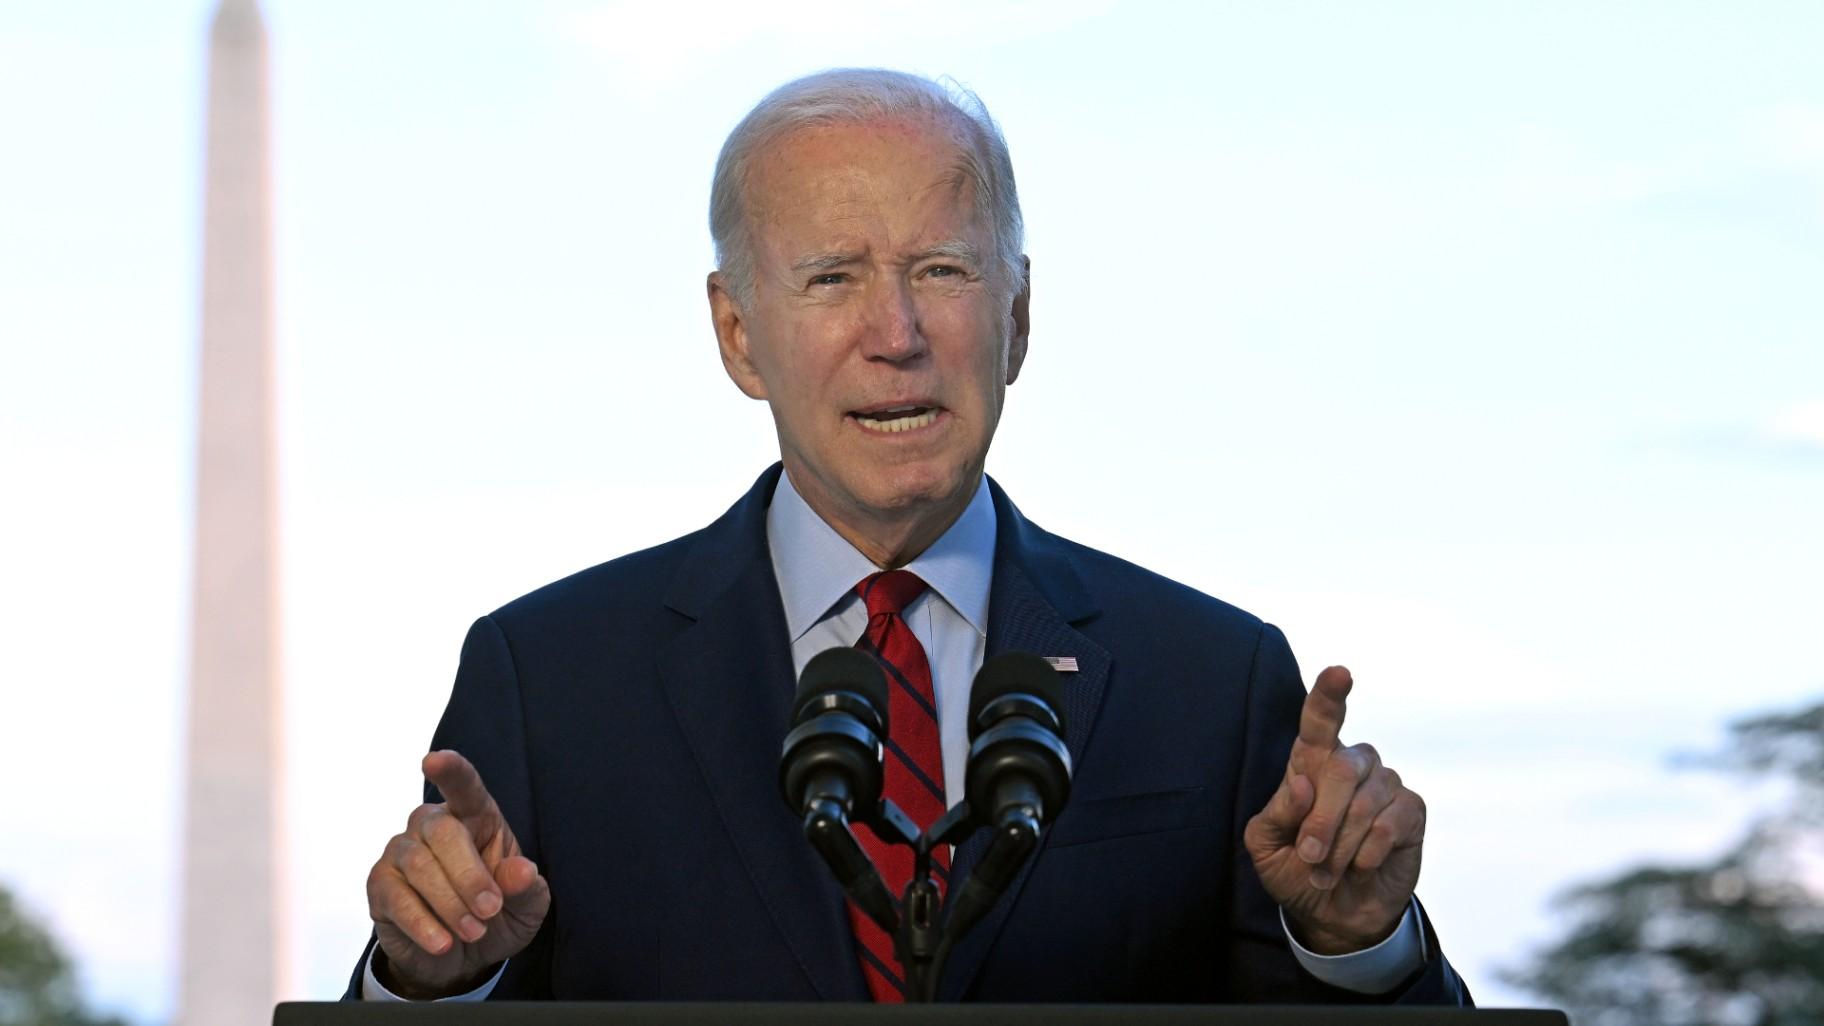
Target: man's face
column 878, row 330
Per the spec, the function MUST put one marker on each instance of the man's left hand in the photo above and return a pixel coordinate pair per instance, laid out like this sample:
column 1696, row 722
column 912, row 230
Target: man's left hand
column 1338, row 845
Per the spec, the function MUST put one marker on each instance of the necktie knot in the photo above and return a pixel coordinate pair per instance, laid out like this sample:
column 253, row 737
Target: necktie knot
column 890, row 591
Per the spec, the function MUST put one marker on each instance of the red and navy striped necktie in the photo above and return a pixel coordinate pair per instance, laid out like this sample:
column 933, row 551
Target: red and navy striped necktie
column 914, row 764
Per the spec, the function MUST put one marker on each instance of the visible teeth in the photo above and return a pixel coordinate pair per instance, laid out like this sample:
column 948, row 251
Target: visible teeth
column 895, row 421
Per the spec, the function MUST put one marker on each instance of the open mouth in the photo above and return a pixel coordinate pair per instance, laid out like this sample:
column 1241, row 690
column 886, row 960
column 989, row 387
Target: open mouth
column 897, row 419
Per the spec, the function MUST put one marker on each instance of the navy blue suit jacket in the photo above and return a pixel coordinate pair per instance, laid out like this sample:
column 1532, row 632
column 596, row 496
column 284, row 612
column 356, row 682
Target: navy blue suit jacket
column 628, row 721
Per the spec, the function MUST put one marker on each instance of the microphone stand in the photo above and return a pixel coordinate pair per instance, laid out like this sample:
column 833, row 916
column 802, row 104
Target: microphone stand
column 826, row 826
column 931, row 927
column 923, row 940
column 928, row 929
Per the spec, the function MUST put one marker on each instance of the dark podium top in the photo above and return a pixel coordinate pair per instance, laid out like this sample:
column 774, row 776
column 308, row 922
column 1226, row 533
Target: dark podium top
column 566, row 1013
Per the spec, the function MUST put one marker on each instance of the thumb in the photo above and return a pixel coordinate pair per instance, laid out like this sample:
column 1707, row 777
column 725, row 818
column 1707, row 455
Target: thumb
column 522, row 885
column 1276, row 826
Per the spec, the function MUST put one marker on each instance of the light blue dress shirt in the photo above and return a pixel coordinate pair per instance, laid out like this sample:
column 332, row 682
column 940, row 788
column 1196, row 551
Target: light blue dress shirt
column 817, row 572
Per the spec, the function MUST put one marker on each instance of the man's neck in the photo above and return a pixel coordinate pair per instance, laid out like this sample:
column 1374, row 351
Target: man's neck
column 890, row 541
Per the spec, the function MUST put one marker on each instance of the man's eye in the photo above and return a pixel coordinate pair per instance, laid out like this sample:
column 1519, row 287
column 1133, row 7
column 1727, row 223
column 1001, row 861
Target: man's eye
column 943, row 271
column 827, row 279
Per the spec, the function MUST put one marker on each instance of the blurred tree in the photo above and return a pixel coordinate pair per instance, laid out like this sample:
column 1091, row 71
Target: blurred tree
column 37, row 982
column 1739, row 940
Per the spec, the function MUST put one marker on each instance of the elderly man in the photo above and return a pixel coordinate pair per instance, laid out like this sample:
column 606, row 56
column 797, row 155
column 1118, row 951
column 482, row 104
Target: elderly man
column 602, row 817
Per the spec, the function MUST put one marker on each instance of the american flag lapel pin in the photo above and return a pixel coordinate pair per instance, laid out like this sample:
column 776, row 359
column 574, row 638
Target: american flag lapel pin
column 1063, row 664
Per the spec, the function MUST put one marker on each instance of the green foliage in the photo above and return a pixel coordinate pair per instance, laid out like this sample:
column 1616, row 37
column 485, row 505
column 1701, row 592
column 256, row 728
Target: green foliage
column 37, row 982
column 1739, row 940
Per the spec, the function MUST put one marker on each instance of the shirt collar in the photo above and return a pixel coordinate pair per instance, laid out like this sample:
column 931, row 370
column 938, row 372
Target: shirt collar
column 816, row 568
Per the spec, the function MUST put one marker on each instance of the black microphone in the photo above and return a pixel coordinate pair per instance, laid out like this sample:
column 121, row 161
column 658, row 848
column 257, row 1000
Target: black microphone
column 839, row 716
column 830, row 768
column 1018, row 765
column 1018, row 776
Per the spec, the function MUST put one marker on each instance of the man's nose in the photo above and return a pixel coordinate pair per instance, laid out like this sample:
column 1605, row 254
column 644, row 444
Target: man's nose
column 892, row 331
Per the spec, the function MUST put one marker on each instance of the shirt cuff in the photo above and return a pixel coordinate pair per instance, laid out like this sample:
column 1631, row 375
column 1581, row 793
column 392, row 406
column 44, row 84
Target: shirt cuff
column 1375, row 970
column 373, row 990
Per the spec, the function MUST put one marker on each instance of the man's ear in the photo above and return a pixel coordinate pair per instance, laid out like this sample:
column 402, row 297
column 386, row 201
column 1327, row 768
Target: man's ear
column 731, row 337
column 1022, row 321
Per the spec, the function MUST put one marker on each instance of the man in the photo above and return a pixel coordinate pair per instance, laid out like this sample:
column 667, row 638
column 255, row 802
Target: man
column 605, row 822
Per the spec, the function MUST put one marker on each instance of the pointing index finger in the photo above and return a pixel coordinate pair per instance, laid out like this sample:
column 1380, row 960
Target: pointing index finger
column 1320, row 725
column 460, row 782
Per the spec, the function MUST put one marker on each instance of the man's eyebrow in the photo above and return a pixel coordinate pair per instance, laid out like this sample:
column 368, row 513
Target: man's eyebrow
column 955, row 250
column 824, row 261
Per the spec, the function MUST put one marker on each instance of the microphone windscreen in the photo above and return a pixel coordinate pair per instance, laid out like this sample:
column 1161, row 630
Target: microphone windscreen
column 1016, row 673
column 843, row 669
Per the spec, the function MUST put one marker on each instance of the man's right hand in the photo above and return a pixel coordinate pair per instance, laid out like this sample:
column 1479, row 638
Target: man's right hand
column 452, row 896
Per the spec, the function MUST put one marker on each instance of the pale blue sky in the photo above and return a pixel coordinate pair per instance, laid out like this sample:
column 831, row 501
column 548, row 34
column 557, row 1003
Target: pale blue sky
column 1480, row 346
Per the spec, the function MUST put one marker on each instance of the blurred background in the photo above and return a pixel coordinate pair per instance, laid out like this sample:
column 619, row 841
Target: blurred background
column 1479, row 346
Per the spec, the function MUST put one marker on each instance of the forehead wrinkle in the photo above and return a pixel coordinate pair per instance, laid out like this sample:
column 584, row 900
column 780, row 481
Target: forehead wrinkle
column 828, row 244
column 954, row 183
column 957, row 181
column 831, row 189
column 846, row 205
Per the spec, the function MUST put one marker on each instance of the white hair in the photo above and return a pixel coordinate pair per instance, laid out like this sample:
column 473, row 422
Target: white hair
column 849, row 95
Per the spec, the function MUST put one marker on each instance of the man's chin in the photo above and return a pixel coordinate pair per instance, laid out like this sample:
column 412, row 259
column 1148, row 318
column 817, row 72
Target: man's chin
column 893, row 490
column 905, row 491
column 889, row 514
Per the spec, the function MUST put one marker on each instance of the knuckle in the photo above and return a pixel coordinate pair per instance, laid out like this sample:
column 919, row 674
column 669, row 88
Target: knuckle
column 401, row 910
column 445, row 830
column 427, row 822
column 418, row 861
column 1341, row 771
column 425, row 931
column 423, row 926
column 402, row 903
column 1394, row 782
column 473, row 879
column 378, row 876
column 448, row 910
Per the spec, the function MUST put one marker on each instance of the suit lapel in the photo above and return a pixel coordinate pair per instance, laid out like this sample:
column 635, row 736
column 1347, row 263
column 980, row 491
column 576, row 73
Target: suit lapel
column 729, row 681
column 1034, row 602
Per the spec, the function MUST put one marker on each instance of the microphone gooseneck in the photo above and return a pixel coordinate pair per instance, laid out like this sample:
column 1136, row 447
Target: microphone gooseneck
column 830, row 768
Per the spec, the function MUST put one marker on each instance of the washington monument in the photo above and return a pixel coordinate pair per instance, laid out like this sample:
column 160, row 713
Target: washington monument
column 231, row 956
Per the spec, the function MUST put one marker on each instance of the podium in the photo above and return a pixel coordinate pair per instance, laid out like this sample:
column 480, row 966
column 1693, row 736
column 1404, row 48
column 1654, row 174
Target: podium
column 568, row 1013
